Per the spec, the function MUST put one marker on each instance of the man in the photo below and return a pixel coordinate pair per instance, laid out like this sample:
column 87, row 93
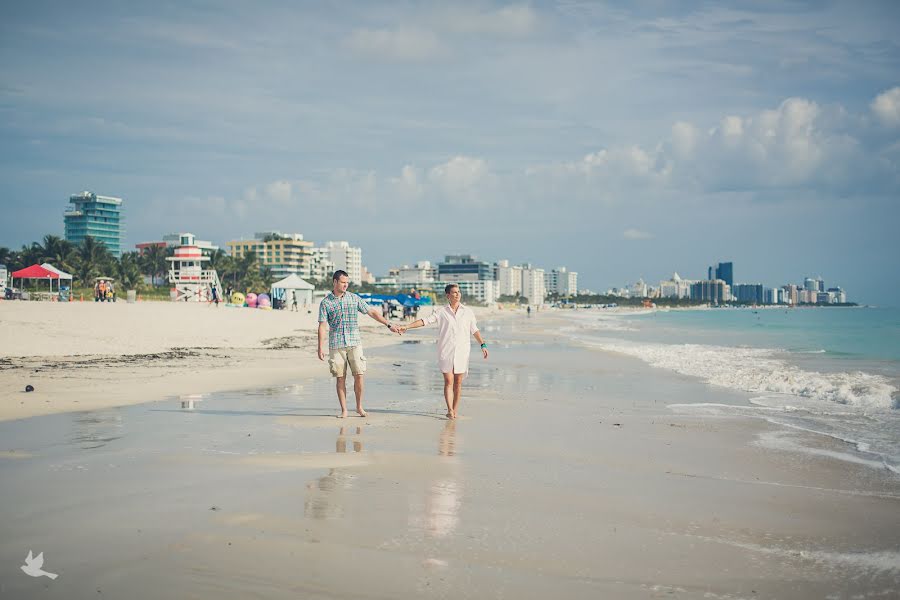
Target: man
column 455, row 323
column 338, row 314
column 294, row 301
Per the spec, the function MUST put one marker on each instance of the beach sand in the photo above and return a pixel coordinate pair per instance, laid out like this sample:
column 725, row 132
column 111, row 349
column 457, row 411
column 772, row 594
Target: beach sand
column 567, row 475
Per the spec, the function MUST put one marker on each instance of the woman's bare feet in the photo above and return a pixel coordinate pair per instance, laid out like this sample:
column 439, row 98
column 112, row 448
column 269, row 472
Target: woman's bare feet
column 343, row 415
column 451, row 415
column 361, row 412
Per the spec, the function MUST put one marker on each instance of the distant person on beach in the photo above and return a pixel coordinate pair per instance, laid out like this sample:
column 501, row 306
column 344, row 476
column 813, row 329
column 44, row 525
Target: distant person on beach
column 456, row 323
column 215, row 296
column 338, row 315
column 294, row 301
column 529, row 310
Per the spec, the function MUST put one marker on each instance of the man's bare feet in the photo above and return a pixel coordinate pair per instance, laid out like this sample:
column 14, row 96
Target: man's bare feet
column 361, row 412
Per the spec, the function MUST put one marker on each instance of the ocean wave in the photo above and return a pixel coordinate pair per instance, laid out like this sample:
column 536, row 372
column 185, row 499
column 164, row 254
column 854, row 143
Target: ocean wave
column 758, row 370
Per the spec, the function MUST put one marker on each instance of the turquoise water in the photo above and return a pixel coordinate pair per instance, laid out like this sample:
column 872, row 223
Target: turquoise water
column 869, row 334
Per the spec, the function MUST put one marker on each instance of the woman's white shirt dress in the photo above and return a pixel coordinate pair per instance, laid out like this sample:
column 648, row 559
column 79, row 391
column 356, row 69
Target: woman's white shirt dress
column 453, row 341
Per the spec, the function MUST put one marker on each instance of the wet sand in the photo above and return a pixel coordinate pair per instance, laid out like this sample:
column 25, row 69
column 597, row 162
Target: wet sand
column 565, row 476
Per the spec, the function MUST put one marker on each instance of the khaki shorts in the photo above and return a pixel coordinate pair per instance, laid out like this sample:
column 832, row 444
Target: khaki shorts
column 339, row 358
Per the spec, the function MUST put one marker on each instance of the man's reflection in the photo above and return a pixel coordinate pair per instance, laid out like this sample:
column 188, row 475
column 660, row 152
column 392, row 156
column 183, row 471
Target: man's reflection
column 341, row 444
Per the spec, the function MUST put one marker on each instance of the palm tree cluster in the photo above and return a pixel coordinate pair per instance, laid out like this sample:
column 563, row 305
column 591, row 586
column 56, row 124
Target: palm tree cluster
column 90, row 259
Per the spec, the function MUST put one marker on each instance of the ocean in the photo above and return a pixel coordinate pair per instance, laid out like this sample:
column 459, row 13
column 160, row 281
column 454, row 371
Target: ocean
column 833, row 371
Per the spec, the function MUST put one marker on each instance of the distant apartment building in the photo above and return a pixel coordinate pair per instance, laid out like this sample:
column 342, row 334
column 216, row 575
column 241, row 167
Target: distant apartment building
column 420, row 274
column 639, row 289
column 714, row 291
column 749, row 293
column 838, row 295
column 284, row 254
column 509, row 278
column 175, row 240
column 345, row 257
column 464, row 267
column 814, row 285
column 321, row 267
column 676, row 287
column 99, row 217
column 483, row 290
column 533, row 285
column 723, row 271
column 561, row 281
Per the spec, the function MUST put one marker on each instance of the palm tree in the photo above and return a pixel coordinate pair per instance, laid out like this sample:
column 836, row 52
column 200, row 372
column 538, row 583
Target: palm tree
column 7, row 257
column 57, row 252
column 129, row 271
column 153, row 262
column 30, row 254
column 92, row 258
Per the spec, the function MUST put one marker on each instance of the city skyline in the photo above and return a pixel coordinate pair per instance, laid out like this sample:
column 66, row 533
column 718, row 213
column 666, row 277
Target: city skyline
column 620, row 141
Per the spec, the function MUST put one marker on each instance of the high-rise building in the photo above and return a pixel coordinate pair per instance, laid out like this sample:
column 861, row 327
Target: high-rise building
column 464, row 267
column 284, row 254
column 561, row 281
column 750, row 293
column 533, row 285
column 714, row 291
column 99, row 217
column 345, row 258
column 509, row 279
column 725, row 272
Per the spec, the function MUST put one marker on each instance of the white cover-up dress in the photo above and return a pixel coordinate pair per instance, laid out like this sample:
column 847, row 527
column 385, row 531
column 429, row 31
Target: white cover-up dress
column 453, row 337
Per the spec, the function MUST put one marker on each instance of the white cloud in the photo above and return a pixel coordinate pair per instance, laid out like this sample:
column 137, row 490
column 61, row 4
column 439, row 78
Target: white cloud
column 513, row 20
column 405, row 44
column 636, row 234
column 459, row 174
column 887, row 106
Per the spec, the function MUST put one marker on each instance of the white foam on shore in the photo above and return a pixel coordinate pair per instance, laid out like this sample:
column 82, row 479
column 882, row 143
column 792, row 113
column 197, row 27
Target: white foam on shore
column 757, row 370
column 872, row 563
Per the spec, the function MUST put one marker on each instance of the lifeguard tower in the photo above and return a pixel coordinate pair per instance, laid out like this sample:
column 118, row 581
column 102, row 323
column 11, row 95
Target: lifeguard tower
column 190, row 281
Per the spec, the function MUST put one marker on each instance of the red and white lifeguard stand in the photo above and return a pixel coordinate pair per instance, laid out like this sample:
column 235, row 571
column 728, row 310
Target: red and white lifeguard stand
column 190, row 281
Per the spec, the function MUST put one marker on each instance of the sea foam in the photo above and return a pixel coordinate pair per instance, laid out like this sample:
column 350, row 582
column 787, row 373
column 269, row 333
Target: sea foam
column 758, row 370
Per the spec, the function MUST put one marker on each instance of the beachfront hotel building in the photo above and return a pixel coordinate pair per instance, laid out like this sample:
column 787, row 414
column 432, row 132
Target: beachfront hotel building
column 561, row 281
column 341, row 255
column 676, row 287
column 533, row 285
column 99, row 217
column 284, row 253
column 509, row 278
column 464, row 267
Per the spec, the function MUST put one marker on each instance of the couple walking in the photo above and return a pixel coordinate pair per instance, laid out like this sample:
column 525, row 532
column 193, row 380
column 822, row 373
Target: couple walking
column 338, row 316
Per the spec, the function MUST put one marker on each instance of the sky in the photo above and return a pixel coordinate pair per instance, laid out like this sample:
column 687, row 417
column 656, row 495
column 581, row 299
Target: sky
column 622, row 140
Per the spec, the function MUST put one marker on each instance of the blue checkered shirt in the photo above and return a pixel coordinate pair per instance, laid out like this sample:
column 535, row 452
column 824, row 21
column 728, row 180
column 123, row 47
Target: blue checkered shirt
column 342, row 317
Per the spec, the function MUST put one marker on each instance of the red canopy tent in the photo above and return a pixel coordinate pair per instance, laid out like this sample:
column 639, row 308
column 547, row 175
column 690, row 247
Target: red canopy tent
column 36, row 272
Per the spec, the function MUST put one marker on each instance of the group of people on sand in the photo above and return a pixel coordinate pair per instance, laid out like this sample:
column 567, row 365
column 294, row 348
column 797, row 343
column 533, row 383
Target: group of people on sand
column 104, row 291
column 339, row 329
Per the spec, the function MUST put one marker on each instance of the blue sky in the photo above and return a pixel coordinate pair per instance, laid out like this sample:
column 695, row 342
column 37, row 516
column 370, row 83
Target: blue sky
column 620, row 139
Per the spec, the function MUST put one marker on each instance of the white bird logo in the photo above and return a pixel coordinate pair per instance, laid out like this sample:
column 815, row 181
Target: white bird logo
column 33, row 566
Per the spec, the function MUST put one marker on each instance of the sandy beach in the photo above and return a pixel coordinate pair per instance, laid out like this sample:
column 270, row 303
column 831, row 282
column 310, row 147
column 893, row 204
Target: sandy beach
column 568, row 473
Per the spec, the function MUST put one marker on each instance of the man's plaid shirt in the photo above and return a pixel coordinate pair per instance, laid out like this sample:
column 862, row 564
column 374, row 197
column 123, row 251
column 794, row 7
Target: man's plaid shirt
column 342, row 317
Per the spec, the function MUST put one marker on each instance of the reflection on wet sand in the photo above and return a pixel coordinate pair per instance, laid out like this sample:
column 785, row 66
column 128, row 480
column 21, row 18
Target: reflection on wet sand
column 443, row 499
column 447, row 442
column 341, row 443
column 438, row 516
column 323, row 496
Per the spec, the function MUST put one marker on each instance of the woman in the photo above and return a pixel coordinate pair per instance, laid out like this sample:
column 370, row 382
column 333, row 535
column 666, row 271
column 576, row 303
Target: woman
column 456, row 323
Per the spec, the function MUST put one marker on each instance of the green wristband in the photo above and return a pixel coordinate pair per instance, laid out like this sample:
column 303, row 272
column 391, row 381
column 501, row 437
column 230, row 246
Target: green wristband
column 483, row 345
